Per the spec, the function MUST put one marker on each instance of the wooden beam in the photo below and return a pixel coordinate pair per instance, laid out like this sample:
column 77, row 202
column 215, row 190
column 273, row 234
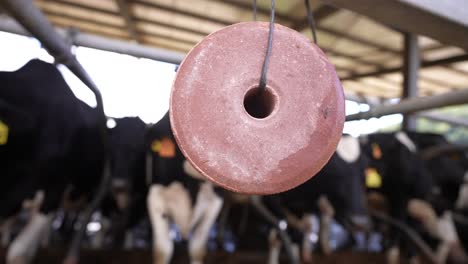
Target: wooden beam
column 175, row 18
column 182, row 35
column 78, row 19
column 112, row 30
column 424, row 64
column 154, row 5
column 168, row 25
column 321, row 13
column 83, row 12
column 80, row 5
column 166, row 43
column 357, row 39
column 124, row 10
column 446, row 21
column 106, row 30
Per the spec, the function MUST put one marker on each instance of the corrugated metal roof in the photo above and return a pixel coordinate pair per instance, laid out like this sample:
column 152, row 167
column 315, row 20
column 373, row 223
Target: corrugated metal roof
column 366, row 54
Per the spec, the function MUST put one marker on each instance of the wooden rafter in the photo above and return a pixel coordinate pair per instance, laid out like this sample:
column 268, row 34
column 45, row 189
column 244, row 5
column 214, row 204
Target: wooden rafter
column 180, row 24
column 424, row 64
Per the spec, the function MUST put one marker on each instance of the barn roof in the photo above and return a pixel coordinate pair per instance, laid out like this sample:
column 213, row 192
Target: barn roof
column 367, row 55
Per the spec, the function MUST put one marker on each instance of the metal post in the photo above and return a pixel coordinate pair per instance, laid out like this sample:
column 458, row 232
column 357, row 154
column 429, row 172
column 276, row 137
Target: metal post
column 451, row 120
column 411, row 64
column 414, row 105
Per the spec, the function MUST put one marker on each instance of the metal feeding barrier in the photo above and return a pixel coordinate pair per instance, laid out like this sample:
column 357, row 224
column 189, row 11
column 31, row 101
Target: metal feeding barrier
column 34, row 21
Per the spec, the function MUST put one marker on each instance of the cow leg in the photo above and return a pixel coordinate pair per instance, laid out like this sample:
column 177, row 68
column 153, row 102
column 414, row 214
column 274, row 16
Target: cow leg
column 450, row 246
column 128, row 242
column 162, row 243
column 274, row 247
column 211, row 203
column 306, row 241
column 393, row 255
column 5, row 230
column 423, row 212
column 97, row 240
column 24, row 247
column 179, row 207
column 442, row 228
column 415, row 260
column 326, row 215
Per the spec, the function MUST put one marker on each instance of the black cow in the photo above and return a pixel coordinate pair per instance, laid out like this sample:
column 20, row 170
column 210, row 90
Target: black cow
column 54, row 141
column 125, row 205
column 178, row 194
column 336, row 191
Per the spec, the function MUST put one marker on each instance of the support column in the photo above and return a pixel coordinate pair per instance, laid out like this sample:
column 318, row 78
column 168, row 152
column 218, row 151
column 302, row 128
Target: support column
column 411, row 64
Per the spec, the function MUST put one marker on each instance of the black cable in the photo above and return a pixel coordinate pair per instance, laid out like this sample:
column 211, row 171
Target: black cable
column 254, row 7
column 310, row 19
column 262, row 83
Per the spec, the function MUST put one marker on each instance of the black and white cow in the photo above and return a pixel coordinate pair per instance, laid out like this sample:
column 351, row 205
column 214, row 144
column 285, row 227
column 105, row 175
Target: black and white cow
column 448, row 166
column 179, row 195
column 337, row 191
column 54, row 141
column 411, row 186
column 448, row 169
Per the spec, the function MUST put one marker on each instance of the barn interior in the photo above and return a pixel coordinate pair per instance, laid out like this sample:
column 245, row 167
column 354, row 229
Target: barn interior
column 403, row 67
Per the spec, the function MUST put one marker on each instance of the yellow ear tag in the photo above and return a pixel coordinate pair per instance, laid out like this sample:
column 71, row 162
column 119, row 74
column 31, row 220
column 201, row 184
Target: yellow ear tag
column 156, row 146
column 376, row 151
column 373, row 178
column 3, row 133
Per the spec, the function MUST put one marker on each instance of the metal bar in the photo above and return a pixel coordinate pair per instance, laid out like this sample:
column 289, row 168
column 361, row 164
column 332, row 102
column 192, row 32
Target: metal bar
column 424, row 64
column 25, row 12
column 411, row 64
column 414, row 105
column 97, row 42
column 455, row 121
